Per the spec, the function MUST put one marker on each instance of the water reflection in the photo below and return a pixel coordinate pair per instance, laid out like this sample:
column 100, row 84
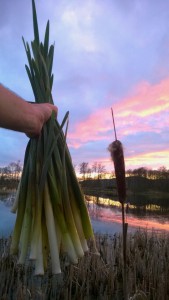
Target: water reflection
column 105, row 214
column 143, row 215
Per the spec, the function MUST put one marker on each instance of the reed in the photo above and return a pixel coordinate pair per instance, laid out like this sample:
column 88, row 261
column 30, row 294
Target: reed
column 94, row 277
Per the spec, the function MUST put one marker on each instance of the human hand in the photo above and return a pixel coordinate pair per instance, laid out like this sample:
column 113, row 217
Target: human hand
column 41, row 112
column 20, row 115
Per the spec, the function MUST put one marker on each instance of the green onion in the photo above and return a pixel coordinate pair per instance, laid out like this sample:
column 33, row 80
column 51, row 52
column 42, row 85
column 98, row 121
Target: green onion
column 52, row 216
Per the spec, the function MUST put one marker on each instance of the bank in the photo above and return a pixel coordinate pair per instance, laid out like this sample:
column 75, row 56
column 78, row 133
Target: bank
column 135, row 185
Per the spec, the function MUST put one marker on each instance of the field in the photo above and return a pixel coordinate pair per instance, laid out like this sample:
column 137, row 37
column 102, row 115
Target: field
column 95, row 277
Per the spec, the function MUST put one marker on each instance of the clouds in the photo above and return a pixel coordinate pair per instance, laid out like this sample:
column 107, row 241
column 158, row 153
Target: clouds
column 78, row 20
column 141, row 110
column 141, row 120
column 107, row 54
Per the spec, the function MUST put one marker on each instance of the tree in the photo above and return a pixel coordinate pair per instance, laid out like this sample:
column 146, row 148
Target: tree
column 101, row 170
column 94, row 167
column 83, row 169
column 151, row 174
column 140, row 172
column 98, row 169
column 129, row 172
column 14, row 169
column 163, row 173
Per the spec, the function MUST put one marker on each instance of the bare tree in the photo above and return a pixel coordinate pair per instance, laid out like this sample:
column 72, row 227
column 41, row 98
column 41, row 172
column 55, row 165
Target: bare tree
column 163, row 173
column 101, row 170
column 89, row 172
column 14, row 169
column 98, row 169
column 83, row 168
column 94, row 167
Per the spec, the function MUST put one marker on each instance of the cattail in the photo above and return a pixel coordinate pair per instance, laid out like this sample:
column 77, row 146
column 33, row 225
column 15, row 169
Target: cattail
column 117, row 155
column 116, row 151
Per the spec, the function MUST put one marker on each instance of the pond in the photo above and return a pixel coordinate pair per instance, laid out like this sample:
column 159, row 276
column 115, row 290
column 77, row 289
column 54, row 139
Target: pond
column 7, row 219
column 105, row 215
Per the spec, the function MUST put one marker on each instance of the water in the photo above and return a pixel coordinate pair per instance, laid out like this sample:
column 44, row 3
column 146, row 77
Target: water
column 7, row 219
column 105, row 215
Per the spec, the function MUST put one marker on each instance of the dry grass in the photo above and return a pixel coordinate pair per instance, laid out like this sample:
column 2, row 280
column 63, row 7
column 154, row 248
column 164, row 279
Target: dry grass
column 95, row 277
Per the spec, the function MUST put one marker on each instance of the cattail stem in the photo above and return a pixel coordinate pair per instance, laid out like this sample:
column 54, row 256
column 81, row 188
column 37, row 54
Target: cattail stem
column 124, row 235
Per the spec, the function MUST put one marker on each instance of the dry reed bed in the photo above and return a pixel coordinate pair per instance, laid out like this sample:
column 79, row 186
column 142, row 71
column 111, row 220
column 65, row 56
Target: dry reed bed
column 95, row 277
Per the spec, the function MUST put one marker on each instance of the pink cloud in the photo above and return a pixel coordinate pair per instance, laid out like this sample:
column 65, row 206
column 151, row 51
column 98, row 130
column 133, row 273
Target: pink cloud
column 93, row 128
column 144, row 159
column 147, row 100
column 145, row 109
column 142, row 111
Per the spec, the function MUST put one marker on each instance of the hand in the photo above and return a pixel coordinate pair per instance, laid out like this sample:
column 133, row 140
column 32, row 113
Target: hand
column 40, row 114
column 20, row 115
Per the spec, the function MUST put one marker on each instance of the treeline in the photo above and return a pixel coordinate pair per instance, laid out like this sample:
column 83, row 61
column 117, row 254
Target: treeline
column 98, row 171
column 160, row 173
column 10, row 175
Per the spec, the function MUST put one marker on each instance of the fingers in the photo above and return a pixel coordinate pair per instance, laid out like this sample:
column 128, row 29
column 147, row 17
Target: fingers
column 40, row 114
column 54, row 109
column 47, row 109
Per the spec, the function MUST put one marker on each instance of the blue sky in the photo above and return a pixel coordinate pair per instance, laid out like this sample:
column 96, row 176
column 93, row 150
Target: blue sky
column 107, row 54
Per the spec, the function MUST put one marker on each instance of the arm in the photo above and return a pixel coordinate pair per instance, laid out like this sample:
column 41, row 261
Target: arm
column 19, row 115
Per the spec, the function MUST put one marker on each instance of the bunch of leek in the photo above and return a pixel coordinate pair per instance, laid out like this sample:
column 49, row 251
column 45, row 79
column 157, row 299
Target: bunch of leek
column 52, row 216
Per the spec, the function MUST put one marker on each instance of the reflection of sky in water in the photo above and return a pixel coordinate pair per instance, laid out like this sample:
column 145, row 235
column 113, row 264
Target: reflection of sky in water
column 105, row 218
column 112, row 214
column 7, row 220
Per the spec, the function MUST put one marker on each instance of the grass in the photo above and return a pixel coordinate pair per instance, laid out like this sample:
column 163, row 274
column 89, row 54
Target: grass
column 95, row 277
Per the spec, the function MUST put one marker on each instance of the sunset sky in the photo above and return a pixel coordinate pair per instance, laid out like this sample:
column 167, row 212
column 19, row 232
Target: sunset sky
column 108, row 53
